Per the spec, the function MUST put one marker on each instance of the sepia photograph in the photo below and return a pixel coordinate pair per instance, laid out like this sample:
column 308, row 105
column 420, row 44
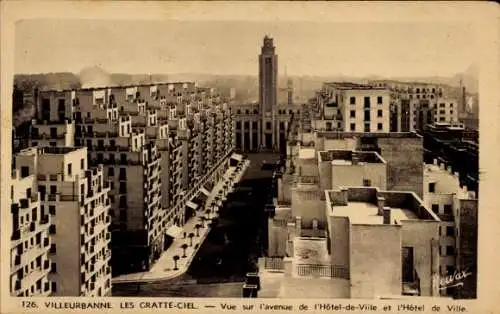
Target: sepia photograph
column 241, row 158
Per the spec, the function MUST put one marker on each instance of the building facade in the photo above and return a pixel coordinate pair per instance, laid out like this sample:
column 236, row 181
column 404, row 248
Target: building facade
column 74, row 197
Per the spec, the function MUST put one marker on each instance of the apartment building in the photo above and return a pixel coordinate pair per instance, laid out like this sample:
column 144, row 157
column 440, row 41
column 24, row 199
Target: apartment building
column 414, row 105
column 54, row 119
column 403, row 152
column 351, row 107
column 455, row 146
column 457, row 207
column 74, row 197
column 30, row 240
column 161, row 145
column 323, row 170
column 353, row 242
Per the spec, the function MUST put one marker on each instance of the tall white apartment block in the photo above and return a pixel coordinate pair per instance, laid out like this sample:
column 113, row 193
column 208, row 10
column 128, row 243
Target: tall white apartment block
column 76, row 200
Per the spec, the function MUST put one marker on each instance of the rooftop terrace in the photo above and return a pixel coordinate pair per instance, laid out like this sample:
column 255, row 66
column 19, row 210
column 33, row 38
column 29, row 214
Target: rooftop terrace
column 367, row 205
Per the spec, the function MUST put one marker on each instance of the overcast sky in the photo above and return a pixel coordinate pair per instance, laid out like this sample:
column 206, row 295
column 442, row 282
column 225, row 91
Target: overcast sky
column 232, row 47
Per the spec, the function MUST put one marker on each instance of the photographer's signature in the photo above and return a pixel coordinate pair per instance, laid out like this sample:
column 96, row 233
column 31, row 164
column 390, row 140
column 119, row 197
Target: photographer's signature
column 454, row 280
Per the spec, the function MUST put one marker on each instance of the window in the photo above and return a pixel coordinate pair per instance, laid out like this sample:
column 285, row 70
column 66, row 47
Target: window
column 367, row 182
column 52, row 209
column 353, row 114
column 246, row 125
column 111, row 171
column 54, row 286
column 367, row 115
column 69, row 169
column 328, row 126
column 367, row 102
column 379, row 113
column 268, row 125
column 450, row 270
column 82, row 163
column 379, row 126
column 379, row 100
column 441, row 105
column 123, row 188
column 432, row 187
column 352, row 100
column 123, row 174
column 25, row 171
column 238, row 111
column 435, row 208
column 254, row 126
column 450, row 231
column 450, row 250
column 367, row 127
column 448, row 210
column 53, row 189
column 353, row 126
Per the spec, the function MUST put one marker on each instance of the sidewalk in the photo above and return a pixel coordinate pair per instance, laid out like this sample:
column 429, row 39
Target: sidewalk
column 163, row 268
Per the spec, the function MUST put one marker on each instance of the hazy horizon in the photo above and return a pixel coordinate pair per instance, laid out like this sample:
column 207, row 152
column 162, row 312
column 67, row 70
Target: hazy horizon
column 232, row 47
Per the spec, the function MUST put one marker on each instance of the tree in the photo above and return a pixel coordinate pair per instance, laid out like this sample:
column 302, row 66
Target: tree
column 197, row 227
column 203, row 218
column 208, row 211
column 184, row 246
column 176, row 258
column 191, row 235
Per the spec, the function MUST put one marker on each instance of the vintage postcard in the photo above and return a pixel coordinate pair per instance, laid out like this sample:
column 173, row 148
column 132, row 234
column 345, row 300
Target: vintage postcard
column 249, row 156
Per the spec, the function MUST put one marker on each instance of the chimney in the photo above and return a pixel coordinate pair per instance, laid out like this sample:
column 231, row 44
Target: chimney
column 435, row 161
column 449, row 169
column 387, row 215
column 380, row 205
column 441, row 166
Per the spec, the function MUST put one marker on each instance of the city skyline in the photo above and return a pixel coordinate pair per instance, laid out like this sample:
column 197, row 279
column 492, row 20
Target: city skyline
column 231, row 47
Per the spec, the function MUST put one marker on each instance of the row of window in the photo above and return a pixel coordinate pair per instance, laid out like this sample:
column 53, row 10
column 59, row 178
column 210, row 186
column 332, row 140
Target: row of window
column 380, row 127
column 366, row 100
column 366, row 113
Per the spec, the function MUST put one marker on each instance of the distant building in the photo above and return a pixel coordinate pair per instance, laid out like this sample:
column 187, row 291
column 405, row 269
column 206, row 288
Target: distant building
column 263, row 126
column 351, row 107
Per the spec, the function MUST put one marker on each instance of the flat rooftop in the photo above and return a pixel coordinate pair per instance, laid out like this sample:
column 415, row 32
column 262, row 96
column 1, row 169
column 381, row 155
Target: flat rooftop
column 360, row 213
column 346, row 157
column 52, row 150
column 343, row 135
column 310, row 251
column 307, row 153
column 351, row 85
column 361, row 205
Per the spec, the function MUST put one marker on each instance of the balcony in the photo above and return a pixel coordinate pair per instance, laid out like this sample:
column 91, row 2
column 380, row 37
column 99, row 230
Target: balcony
column 17, row 260
column 329, row 271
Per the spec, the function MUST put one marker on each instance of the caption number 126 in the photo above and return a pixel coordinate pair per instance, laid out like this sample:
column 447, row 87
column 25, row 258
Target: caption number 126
column 29, row 304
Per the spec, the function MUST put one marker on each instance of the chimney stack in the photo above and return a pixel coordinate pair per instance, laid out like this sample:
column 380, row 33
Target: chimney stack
column 380, row 205
column 435, row 161
column 387, row 215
